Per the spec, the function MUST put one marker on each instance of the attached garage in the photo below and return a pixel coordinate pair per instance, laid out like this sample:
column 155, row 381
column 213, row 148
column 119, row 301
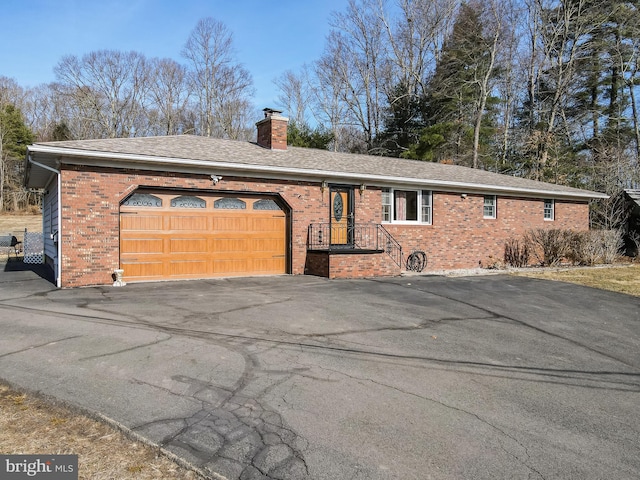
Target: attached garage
column 182, row 235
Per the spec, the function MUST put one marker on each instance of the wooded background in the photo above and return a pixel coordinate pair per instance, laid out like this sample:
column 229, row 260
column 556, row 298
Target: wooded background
column 540, row 89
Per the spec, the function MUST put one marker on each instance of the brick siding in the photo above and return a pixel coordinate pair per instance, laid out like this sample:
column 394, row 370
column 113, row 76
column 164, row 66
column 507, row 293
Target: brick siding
column 458, row 238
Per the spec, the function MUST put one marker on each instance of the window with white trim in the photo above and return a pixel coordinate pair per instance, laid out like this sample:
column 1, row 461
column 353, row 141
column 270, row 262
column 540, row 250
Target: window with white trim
column 489, row 210
column 549, row 210
column 406, row 206
column 386, row 205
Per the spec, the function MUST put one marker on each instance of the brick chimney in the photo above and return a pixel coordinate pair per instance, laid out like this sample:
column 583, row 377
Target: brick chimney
column 272, row 130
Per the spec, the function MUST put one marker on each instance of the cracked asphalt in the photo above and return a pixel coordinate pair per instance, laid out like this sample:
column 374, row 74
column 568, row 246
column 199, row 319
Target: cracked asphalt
column 296, row 377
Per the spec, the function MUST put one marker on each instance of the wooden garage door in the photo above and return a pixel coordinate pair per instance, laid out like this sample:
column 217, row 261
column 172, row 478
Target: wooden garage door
column 172, row 236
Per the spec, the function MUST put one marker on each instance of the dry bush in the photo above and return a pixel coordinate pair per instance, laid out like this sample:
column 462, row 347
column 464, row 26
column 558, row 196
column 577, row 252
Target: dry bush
column 516, row 253
column 611, row 242
column 549, row 246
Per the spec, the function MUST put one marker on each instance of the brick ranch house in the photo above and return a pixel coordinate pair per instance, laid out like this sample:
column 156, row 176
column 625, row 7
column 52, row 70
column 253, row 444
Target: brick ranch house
column 183, row 207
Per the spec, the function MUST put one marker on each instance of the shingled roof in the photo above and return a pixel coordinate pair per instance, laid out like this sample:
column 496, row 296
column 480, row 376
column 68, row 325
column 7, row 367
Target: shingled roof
column 187, row 152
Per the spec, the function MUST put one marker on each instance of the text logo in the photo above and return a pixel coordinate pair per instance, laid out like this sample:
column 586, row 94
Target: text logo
column 49, row 467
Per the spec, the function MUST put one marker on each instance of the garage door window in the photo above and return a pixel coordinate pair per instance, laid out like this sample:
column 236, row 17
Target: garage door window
column 143, row 200
column 186, row 201
column 265, row 204
column 230, row 204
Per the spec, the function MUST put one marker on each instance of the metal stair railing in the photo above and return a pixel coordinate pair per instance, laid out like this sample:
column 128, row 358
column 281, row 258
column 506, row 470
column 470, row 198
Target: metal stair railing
column 391, row 245
column 358, row 237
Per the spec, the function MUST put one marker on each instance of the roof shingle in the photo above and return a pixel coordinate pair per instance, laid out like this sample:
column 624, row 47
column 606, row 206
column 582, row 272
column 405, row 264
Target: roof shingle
column 203, row 151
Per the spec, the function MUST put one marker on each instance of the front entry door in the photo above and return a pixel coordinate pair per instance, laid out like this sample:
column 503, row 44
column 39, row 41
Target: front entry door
column 342, row 216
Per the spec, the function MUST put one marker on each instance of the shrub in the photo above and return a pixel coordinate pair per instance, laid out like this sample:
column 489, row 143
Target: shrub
column 516, row 253
column 611, row 242
column 550, row 246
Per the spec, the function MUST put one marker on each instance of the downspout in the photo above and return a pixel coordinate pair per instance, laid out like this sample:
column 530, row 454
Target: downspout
column 59, row 246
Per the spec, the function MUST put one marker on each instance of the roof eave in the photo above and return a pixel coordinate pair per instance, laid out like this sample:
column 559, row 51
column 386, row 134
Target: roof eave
column 153, row 162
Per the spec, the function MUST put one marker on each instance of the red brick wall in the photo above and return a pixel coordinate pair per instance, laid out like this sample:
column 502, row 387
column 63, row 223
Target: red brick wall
column 90, row 215
column 350, row 265
column 272, row 133
column 458, row 238
column 354, row 265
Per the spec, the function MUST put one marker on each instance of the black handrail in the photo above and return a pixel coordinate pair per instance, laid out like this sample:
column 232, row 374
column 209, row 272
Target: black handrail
column 392, row 247
column 358, row 236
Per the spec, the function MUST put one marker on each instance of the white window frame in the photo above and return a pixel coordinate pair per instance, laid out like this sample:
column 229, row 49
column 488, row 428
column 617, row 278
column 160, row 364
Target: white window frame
column 493, row 205
column 549, row 210
column 387, row 205
column 424, row 206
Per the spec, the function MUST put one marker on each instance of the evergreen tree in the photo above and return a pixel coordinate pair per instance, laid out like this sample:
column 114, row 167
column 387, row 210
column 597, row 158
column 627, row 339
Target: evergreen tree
column 453, row 97
column 302, row 135
column 15, row 136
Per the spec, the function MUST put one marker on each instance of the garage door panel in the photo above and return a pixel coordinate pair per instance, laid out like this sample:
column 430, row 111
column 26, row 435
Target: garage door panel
column 188, row 245
column 187, row 268
column 230, row 224
column 267, row 264
column 174, row 240
column 230, row 266
column 141, row 222
column 270, row 224
column 223, row 246
column 270, row 245
column 147, row 270
column 142, row 245
column 188, row 223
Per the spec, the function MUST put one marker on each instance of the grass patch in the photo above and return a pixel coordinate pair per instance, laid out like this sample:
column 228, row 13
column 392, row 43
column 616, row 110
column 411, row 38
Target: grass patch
column 31, row 426
column 15, row 224
column 621, row 279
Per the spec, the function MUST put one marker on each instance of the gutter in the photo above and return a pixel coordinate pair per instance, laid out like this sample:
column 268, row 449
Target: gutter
column 302, row 172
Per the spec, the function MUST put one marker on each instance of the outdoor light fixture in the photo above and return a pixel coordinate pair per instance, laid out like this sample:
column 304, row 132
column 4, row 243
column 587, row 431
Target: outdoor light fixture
column 215, row 179
column 363, row 187
column 323, row 186
column 463, row 195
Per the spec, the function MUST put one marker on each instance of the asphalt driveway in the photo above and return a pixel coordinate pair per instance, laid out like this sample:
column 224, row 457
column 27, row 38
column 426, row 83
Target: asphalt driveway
column 299, row 377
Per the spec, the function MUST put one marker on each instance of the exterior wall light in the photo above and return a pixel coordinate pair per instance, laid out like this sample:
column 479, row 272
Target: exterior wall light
column 323, row 186
column 463, row 195
column 215, row 179
column 363, row 187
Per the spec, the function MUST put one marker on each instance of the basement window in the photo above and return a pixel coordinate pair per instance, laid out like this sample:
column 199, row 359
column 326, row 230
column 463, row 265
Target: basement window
column 406, row 206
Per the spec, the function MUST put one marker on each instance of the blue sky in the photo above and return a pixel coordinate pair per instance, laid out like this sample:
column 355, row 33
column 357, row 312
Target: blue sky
column 269, row 36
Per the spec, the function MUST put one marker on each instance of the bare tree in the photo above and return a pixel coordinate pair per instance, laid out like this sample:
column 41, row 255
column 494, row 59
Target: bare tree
column 295, row 94
column 562, row 27
column 221, row 85
column 497, row 15
column 416, row 40
column 107, row 89
column 168, row 96
column 355, row 54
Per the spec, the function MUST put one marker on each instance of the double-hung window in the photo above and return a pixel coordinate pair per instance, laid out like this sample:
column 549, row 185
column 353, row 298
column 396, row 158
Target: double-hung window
column 549, row 210
column 406, row 206
column 490, row 205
